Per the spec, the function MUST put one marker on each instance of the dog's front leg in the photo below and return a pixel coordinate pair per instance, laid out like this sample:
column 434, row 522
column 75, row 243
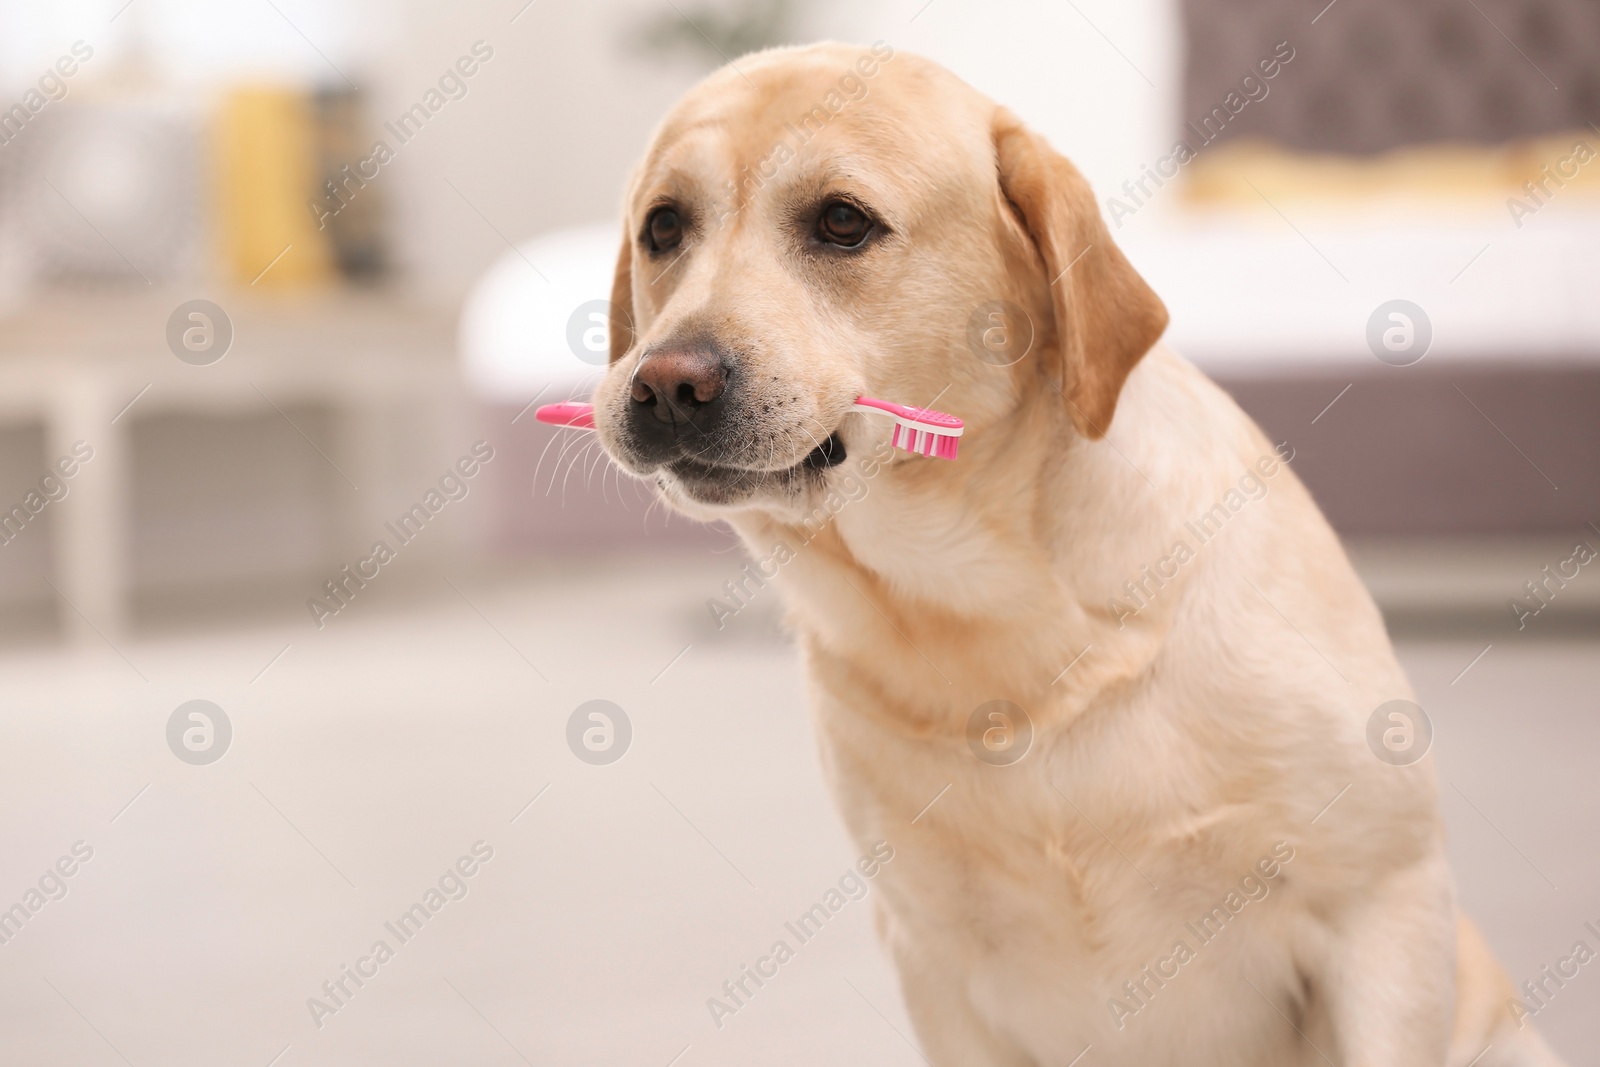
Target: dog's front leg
column 1388, row 974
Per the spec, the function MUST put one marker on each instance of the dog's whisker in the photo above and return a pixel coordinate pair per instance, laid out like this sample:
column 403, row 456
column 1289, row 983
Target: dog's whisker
column 539, row 466
column 564, row 464
column 576, row 459
column 594, row 465
column 556, row 464
column 577, row 441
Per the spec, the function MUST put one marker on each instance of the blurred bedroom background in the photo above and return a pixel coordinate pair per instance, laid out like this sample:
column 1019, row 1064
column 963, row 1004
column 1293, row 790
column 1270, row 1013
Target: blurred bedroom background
column 275, row 272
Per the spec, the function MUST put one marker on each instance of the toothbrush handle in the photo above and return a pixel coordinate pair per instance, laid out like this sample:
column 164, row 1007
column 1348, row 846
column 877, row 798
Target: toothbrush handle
column 567, row 414
column 924, row 418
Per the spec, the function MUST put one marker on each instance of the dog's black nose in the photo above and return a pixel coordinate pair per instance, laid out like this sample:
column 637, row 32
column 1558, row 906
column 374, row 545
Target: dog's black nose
column 677, row 393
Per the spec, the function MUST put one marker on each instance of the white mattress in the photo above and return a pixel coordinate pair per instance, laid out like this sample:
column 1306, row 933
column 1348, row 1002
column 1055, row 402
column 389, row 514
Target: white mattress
column 514, row 325
column 1255, row 290
column 1246, row 290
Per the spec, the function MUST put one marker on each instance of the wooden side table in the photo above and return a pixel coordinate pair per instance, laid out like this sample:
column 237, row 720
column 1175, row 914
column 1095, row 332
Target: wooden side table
column 88, row 367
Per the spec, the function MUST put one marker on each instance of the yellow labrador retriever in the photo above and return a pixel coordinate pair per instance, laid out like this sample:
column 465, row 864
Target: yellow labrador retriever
column 1105, row 681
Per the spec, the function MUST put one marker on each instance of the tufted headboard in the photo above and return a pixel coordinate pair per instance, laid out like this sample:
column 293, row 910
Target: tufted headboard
column 1371, row 75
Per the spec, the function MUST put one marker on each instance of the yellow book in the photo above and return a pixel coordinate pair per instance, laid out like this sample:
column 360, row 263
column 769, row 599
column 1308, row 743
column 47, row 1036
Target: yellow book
column 266, row 173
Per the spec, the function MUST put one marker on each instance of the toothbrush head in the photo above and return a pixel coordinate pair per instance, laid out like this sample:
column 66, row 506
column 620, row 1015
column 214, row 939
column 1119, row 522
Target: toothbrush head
column 920, row 430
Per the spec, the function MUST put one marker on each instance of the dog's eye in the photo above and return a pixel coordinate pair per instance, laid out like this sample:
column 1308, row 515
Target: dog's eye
column 665, row 229
column 843, row 224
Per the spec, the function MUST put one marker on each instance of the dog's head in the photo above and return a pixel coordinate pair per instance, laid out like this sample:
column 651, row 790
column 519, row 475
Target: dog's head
column 811, row 225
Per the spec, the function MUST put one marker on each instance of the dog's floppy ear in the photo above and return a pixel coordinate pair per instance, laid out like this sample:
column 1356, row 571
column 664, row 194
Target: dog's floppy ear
column 621, row 324
column 1106, row 316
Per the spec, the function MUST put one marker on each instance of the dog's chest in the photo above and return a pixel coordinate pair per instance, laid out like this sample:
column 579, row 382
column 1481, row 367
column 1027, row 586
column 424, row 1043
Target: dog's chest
column 1070, row 945
column 1075, row 915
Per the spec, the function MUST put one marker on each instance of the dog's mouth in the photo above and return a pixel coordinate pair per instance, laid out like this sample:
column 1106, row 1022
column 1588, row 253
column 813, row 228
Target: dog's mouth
column 829, row 453
column 716, row 483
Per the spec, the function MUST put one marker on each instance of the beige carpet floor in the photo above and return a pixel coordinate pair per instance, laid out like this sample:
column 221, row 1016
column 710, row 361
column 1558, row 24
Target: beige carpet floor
column 369, row 757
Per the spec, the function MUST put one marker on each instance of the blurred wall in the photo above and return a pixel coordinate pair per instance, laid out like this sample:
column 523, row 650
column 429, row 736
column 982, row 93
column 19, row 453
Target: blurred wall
column 564, row 110
column 550, row 126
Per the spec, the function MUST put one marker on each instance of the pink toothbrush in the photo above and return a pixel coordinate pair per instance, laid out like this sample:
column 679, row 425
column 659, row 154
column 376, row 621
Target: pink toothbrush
column 920, row 430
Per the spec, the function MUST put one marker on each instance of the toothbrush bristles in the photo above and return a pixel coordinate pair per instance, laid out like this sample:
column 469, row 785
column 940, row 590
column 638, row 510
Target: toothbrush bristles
column 924, row 442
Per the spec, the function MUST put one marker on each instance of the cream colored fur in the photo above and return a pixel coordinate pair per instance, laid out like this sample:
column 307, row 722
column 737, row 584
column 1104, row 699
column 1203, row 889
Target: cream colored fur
column 1193, row 743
